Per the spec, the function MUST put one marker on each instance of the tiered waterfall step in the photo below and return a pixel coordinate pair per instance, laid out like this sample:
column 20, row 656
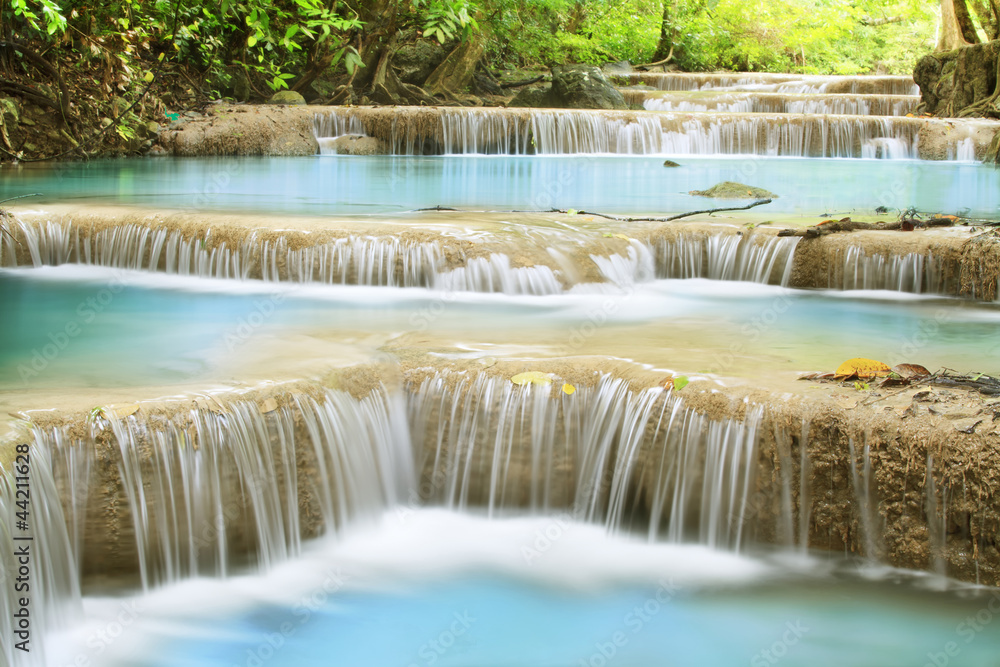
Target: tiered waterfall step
column 752, row 102
column 767, row 82
column 433, row 131
column 551, row 260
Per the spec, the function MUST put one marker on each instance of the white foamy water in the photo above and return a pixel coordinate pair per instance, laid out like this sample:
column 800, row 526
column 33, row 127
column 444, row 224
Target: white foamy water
column 408, row 547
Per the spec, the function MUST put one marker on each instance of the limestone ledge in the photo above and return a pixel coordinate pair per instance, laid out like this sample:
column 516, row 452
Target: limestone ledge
column 278, row 130
column 896, row 475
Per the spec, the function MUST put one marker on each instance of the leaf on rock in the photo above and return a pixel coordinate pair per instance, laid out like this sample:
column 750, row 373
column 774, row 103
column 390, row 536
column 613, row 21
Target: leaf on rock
column 909, row 371
column 680, row 382
column 532, row 377
column 862, row 368
column 119, row 411
column 568, row 389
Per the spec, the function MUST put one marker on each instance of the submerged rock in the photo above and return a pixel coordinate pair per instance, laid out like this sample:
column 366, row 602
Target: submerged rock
column 357, row 144
column 733, row 190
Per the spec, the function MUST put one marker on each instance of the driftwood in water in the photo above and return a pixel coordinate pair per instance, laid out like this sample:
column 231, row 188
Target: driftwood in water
column 848, row 225
column 673, row 217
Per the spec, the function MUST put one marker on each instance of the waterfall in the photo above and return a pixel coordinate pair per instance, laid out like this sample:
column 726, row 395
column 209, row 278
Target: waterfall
column 853, row 268
column 637, row 266
column 854, row 105
column 632, row 459
column 203, row 489
column 495, row 274
column 327, row 127
column 50, row 577
column 759, row 258
column 562, row 132
column 778, row 83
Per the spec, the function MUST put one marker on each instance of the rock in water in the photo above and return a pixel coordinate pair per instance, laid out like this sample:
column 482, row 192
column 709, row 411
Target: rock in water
column 734, row 190
column 535, row 97
column 584, row 87
column 670, row 163
column 356, row 144
column 286, row 97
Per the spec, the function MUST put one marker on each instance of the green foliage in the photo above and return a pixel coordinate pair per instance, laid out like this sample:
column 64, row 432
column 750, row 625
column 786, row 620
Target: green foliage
column 809, row 36
column 276, row 41
column 52, row 21
column 445, row 20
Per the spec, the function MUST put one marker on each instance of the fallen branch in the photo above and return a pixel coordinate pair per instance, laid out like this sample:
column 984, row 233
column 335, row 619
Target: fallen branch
column 848, row 225
column 4, row 215
column 670, row 56
column 526, row 82
column 616, row 218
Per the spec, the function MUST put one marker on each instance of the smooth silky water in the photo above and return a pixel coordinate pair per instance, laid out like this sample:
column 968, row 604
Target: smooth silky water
column 95, row 327
column 425, row 586
column 338, row 185
column 433, row 587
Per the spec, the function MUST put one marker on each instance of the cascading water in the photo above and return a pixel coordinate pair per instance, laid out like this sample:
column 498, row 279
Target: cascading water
column 202, row 490
column 630, row 459
column 853, row 269
column 560, row 132
column 755, row 258
column 856, row 105
column 779, row 83
column 38, row 556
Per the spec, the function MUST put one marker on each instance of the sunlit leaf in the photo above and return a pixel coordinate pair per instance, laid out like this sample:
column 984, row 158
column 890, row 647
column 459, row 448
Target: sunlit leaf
column 862, row 368
column 568, row 389
column 532, row 377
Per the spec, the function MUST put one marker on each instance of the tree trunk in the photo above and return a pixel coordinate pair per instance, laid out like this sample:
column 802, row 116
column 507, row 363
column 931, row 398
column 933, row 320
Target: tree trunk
column 666, row 44
column 965, row 24
column 988, row 13
column 951, row 35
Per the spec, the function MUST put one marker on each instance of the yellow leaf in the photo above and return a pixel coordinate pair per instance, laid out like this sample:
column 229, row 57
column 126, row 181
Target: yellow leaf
column 622, row 237
column 532, row 377
column 149, row 77
column 251, row 40
column 863, row 368
column 119, row 411
column 568, row 389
